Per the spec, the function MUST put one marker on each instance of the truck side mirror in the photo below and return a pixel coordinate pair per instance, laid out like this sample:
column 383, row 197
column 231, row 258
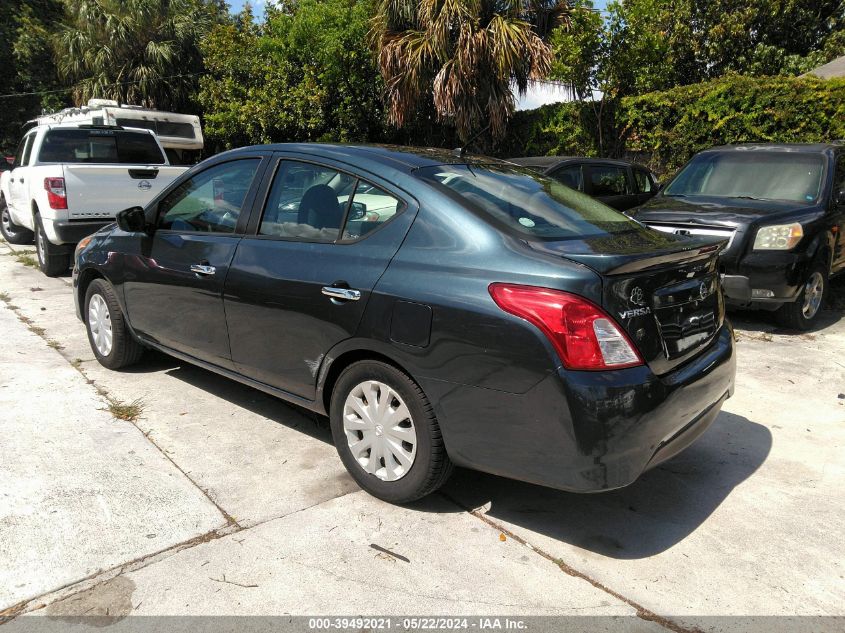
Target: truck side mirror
column 132, row 220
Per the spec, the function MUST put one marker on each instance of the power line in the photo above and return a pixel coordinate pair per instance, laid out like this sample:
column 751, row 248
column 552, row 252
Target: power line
column 61, row 90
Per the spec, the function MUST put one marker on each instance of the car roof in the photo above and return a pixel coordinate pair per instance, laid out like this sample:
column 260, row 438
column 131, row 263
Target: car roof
column 552, row 161
column 402, row 158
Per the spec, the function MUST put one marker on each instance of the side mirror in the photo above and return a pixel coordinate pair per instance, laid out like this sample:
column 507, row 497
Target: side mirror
column 358, row 211
column 132, row 220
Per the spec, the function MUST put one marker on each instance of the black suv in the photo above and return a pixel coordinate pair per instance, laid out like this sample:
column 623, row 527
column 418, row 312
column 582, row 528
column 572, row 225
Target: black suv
column 440, row 309
column 617, row 183
column 781, row 209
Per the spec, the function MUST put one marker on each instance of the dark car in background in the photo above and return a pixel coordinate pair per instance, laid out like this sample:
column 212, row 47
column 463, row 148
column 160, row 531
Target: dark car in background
column 617, row 183
column 781, row 211
column 439, row 309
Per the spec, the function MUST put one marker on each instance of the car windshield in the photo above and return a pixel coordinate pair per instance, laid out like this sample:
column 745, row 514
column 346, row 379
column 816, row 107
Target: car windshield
column 527, row 202
column 792, row 176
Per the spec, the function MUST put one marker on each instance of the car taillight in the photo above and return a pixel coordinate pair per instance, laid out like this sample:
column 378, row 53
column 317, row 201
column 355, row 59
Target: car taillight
column 583, row 334
column 56, row 196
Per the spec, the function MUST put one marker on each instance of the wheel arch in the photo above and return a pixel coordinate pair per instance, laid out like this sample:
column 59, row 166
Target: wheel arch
column 86, row 276
column 345, row 355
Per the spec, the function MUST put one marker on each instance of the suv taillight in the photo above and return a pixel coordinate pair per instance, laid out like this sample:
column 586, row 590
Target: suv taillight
column 583, row 334
column 56, row 196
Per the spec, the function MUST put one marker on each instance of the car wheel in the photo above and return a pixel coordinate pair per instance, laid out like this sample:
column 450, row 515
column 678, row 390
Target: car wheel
column 50, row 262
column 386, row 433
column 803, row 313
column 12, row 233
column 109, row 336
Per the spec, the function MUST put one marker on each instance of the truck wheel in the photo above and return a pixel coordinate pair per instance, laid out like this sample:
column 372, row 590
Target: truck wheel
column 803, row 313
column 109, row 336
column 386, row 433
column 12, row 233
column 50, row 262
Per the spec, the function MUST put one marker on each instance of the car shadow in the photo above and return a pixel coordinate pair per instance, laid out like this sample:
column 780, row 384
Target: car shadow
column 253, row 400
column 660, row 509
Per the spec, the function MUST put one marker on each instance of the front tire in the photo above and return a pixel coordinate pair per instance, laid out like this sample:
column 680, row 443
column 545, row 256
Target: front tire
column 11, row 232
column 803, row 313
column 50, row 262
column 386, row 433
column 109, row 335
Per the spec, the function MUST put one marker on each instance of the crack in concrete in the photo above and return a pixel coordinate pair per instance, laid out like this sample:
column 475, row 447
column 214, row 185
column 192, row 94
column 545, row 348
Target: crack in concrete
column 642, row 612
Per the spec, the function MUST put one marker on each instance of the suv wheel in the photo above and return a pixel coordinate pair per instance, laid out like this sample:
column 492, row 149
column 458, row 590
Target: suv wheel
column 803, row 313
column 386, row 433
column 12, row 233
column 51, row 262
column 109, row 336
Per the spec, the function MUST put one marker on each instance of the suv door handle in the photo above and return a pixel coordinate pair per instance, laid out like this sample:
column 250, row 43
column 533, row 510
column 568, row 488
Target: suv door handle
column 203, row 269
column 344, row 294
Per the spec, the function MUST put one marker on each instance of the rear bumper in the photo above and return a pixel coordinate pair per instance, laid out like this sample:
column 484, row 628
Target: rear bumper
column 587, row 431
column 776, row 277
column 71, row 232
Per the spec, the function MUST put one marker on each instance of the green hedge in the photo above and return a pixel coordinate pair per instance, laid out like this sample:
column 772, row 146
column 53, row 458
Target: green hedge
column 669, row 127
column 664, row 129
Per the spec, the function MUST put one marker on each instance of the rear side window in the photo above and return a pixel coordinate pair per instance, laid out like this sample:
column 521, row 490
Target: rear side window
column 162, row 128
column 100, row 146
column 571, row 176
column 528, row 203
column 607, row 180
column 644, row 183
column 316, row 203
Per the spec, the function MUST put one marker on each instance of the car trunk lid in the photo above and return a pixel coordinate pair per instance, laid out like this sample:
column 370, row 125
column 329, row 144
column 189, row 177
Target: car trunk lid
column 664, row 290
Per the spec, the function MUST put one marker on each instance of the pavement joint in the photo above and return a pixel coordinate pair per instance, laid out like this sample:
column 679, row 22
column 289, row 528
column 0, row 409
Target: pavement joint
column 642, row 612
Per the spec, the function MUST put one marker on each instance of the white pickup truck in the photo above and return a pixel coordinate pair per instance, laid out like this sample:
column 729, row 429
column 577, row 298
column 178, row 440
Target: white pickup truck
column 68, row 181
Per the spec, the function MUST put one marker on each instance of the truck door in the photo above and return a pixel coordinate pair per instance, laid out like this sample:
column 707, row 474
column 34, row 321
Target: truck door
column 18, row 179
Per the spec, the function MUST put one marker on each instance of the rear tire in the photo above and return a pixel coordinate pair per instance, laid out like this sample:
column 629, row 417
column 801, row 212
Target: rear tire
column 50, row 262
column 109, row 335
column 406, row 458
column 803, row 313
column 11, row 232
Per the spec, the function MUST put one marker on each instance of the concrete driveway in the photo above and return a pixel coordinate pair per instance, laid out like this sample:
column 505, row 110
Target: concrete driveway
column 212, row 498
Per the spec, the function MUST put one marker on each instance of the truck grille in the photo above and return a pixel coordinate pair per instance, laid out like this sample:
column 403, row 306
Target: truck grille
column 695, row 229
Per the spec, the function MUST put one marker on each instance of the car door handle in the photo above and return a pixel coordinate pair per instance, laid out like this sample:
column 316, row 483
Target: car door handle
column 203, row 269
column 344, row 294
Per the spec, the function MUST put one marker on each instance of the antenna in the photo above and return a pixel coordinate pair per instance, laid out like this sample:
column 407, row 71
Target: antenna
column 461, row 151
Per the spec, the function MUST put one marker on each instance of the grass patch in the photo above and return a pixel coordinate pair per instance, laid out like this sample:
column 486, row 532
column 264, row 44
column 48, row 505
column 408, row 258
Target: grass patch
column 37, row 330
column 5, row 297
column 26, row 259
column 54, row 344
column 129, row 412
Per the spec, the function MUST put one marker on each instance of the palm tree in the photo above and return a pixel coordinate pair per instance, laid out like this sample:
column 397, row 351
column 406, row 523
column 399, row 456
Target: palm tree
column 466, row 55
column 142, row 52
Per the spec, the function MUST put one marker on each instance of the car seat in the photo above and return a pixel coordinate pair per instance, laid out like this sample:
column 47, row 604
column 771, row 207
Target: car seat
column 319, row 208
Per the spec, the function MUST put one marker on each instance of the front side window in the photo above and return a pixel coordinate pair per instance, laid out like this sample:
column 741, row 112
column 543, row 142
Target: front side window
column 571, row 176
column 528, row 203
column 607, row 180
column 210, row 201
column 644, row 183
column 100, row 146
column 755, row 174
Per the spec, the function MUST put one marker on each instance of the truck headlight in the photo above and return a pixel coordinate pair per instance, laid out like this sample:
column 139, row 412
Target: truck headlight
column 780, row 237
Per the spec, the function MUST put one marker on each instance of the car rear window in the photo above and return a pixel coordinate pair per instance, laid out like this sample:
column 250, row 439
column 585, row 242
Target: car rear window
column 100, row 146
column 527, row 202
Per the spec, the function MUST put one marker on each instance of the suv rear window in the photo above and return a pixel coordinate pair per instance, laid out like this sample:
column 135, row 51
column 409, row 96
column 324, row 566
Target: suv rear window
column 100, row 146
column 527, row 202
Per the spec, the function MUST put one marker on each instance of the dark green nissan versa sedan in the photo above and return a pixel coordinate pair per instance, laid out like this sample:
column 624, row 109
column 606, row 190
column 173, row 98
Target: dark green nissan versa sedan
column 441, row 310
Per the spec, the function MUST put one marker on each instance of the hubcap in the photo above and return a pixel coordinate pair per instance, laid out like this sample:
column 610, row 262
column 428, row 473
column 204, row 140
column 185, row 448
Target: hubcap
column 379, row 430
column 6, row 220
column 99, row 322
column 813, row 293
